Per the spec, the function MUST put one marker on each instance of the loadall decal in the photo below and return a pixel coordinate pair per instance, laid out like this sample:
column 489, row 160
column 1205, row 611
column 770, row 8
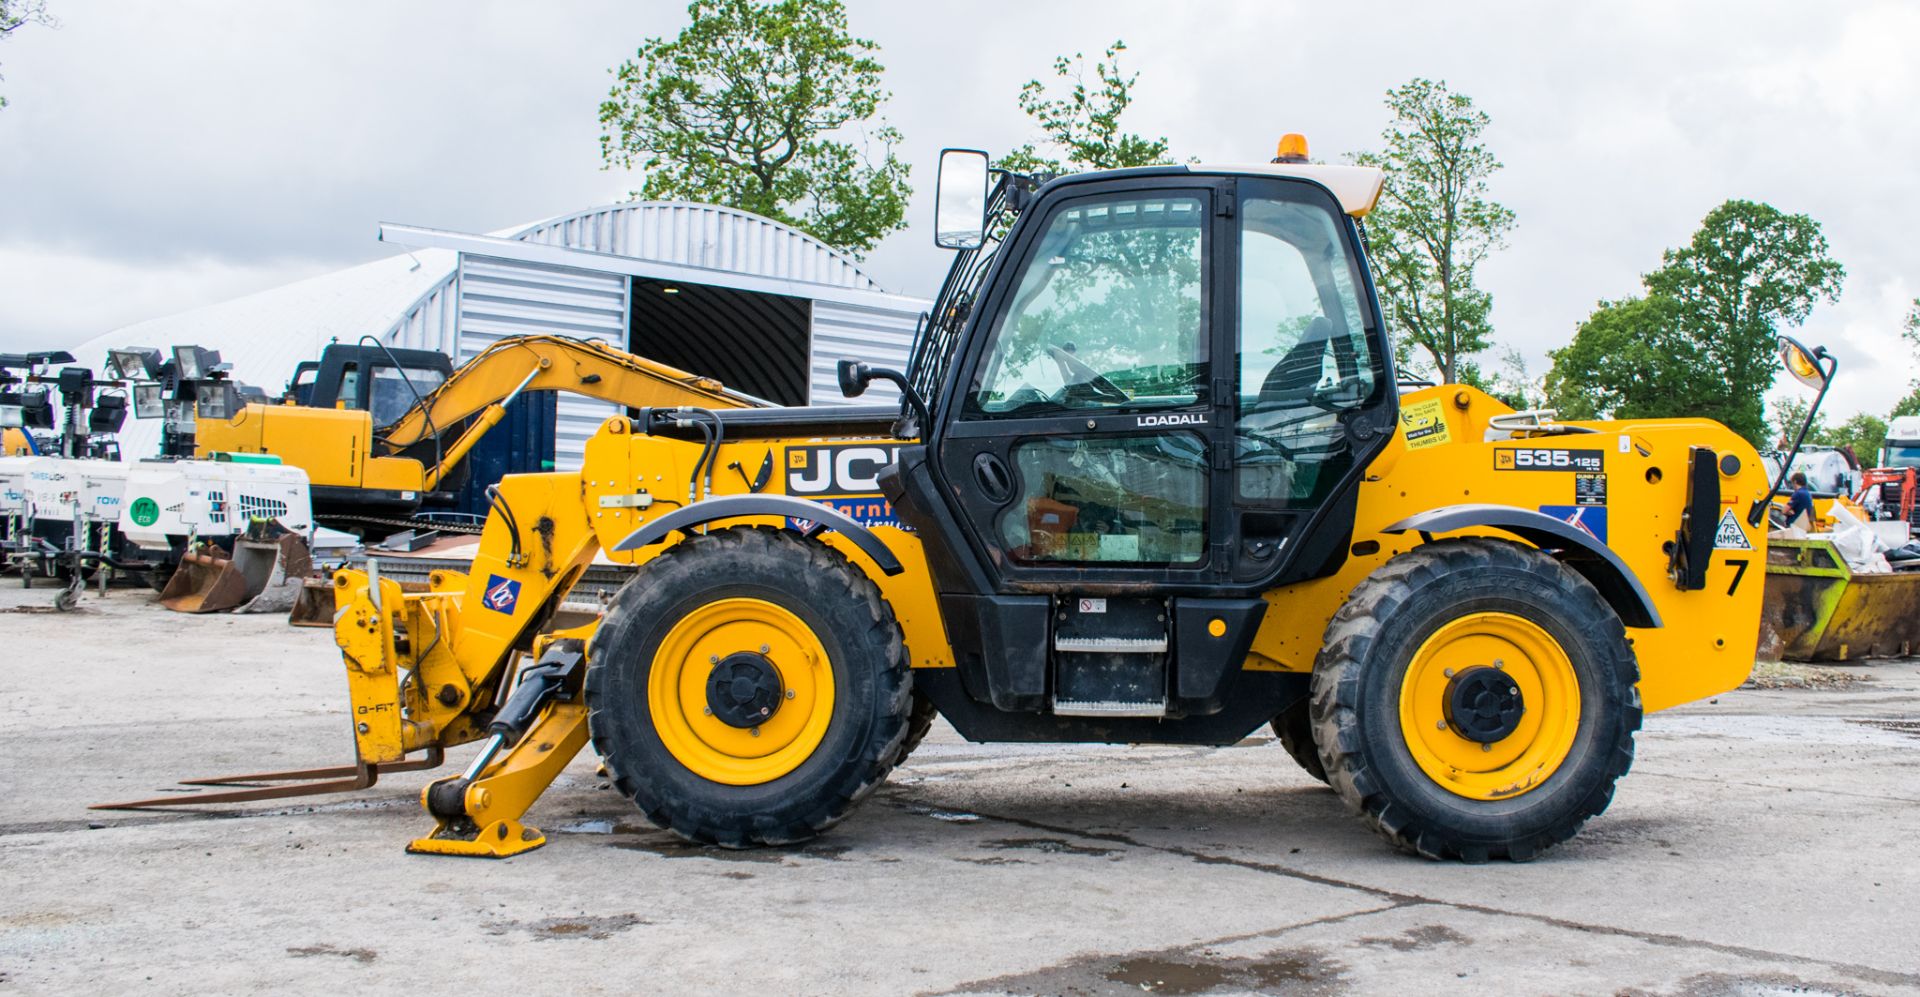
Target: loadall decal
column 1549, row 459
column 1424, row 424
column 844, row 476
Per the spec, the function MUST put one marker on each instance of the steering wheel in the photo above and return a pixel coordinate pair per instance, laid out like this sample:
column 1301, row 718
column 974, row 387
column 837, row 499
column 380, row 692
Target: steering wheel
column 1075, row 371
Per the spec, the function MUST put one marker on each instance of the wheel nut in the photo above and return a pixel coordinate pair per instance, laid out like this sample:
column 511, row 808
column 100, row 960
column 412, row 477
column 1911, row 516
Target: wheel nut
column 764, row 649
column 789, row 693
column 713, row 659
column 1440, row 725
column 1448, row 673
column 756, row 732
column 708, row 711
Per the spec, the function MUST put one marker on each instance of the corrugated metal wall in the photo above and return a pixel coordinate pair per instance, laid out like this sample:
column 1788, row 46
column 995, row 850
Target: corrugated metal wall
column 701, row 235
column 429, row 324
column 501, row 298
column 881, row 337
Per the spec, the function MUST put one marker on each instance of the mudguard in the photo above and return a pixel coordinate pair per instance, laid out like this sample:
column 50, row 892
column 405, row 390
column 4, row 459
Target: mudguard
column 1585, row 554
column 737, row 506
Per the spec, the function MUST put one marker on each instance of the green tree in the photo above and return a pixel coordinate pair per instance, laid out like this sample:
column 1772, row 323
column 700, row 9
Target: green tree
column 1703, row 342
column 1630, row 359
column 1910, row 331
column 1083, row 123
column 1749, row 269
column 15, row 14
column 1435, row 224
column 768, row 107
column 1788, row 414
column 1864, row 434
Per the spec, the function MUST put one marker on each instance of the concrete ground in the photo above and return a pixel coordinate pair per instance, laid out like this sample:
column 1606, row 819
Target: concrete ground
column 1764, row 843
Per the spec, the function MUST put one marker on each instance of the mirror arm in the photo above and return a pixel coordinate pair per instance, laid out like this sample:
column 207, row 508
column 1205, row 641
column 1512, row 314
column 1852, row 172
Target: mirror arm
column 1832, row 363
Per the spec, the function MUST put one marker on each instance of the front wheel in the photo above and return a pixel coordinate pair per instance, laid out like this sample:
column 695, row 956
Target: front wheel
column 748, row 687
column 1475, row 699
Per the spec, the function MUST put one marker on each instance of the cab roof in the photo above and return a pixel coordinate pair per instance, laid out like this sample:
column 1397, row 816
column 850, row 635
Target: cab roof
column 1357, row 188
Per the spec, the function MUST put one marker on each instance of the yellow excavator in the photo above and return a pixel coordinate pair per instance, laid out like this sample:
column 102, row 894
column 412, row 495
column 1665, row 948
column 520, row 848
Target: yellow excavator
column 379, row 431
column 1152, row 480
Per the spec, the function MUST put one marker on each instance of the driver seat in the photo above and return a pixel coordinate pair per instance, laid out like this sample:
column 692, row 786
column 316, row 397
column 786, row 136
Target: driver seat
column 1300, row 369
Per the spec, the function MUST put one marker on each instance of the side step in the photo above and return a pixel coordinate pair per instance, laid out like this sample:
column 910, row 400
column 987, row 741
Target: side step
column 1108, row 708
column 1111, row 645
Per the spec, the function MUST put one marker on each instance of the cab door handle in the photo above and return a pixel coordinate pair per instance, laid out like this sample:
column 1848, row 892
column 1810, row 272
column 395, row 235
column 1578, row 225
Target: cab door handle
column 995, row 481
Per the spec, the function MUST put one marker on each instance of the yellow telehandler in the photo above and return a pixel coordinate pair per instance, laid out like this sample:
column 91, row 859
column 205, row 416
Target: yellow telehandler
column 1152, row 480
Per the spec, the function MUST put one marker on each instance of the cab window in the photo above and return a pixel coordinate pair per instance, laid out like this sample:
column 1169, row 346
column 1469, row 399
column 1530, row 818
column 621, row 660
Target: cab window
column 1106, row 314
column 1304, row 357
column 392, row 395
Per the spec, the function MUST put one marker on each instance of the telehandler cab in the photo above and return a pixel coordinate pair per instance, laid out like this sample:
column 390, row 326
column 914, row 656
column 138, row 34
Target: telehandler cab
column 1151, row 481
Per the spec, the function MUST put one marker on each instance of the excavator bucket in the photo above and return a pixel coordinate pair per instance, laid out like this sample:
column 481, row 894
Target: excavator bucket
column 264, row 574
column 207, row 581
column 281, row 567
column 313, row 606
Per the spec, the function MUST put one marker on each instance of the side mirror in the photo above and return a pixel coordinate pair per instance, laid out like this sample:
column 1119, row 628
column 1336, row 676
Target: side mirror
column 854, row 375
column 1804, row 364
column 960, row 200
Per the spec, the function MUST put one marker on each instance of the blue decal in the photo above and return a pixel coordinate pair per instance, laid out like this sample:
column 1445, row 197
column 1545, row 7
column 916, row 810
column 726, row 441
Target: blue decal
column 1589, row 519
column 502, row 594
column 867, row 510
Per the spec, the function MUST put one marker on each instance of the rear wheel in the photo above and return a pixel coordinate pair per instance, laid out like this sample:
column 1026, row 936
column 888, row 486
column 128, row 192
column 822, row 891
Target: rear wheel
column 748, row 687
column 1475, row 699
column 1294, row 728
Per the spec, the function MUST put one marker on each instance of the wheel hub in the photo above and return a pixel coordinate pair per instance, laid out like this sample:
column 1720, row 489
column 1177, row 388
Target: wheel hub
column 744, row 690
column 1484, row 704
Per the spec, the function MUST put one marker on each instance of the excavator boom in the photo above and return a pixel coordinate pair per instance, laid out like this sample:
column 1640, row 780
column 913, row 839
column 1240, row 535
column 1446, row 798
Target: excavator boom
column 351, row 462
column 583, row 367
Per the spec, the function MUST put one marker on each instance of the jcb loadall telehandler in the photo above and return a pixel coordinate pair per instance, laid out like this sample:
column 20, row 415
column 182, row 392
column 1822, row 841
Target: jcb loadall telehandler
column 1151, row 482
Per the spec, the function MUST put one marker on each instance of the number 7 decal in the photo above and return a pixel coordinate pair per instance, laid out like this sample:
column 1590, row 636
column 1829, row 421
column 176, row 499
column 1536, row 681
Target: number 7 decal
column 1739, row 572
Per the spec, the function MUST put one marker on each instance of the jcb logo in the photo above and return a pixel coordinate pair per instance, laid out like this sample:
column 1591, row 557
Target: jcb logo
column 1546, row 459
column 848, row 469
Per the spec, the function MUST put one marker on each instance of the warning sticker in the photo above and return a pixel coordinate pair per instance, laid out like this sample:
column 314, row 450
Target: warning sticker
column 1729, row 535
column 1424, row 424
column 1589, row 489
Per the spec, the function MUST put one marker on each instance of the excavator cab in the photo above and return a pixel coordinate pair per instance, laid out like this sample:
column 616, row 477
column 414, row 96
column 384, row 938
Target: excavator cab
column 384, row 382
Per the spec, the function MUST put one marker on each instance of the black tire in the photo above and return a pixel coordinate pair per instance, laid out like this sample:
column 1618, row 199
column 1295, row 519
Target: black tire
column 837, row 602
column 1369, row 646
column 1294, row 728
column 919, row 722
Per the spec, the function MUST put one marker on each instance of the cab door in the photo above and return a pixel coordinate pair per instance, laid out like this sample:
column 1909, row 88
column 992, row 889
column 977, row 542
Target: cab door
column 1090, row 441
column 1313, row 399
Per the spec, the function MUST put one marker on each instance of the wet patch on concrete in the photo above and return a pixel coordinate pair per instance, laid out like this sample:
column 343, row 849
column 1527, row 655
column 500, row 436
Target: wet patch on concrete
column 1050, row 846
column 1911, row 728
column 362, row 956
column 674, row 848
column 1179, row 972
column 989, row 860
column 1415, row 939
column 590, row 928
column 1763, row 985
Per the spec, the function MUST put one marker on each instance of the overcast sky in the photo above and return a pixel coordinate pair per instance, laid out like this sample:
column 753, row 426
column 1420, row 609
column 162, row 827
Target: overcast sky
column 160, row 156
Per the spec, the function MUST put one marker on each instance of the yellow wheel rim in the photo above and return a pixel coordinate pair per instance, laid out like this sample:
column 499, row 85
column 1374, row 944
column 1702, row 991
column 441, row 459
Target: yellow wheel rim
column 1539, row 742
column 677, row 692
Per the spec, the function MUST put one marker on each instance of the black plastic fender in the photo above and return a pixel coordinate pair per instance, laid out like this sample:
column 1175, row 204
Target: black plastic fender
column 1593, row 559
column 736, row 506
